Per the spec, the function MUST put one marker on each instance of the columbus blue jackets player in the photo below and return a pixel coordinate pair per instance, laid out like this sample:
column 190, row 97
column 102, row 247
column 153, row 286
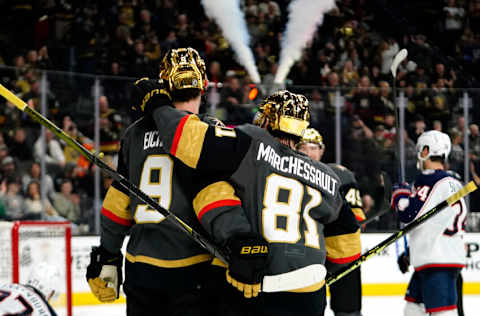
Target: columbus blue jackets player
column 437, row 250
column 164, row 267
column 31, row 298
column 287, row 197
column 342, row 236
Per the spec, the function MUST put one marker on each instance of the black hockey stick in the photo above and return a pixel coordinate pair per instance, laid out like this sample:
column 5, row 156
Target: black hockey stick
column 468, row 188
column 385, row 203
column 296, row 279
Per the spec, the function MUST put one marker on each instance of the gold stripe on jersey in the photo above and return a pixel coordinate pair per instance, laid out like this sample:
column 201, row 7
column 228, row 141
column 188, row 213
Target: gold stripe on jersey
column 214, row 193
column 311, row 288
column 117, row 202
column 359, row 214
column 191, row 141
column 219, row 263
column 343, row 246
column 178, row 263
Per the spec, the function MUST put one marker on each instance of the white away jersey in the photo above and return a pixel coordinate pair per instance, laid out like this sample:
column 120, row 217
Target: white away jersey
column 17, row 299
column 438, row 242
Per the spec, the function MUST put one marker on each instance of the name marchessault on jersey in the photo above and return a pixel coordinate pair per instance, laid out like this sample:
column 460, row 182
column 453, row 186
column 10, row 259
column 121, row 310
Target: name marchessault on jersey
column 298, row 167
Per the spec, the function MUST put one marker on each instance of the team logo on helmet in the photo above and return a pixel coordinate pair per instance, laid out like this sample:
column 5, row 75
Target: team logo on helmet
column 287, row 112
column 183, row 68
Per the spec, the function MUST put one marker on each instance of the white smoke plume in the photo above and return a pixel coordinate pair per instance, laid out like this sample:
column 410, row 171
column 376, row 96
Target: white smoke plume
column 231, row 20
column 303, row 18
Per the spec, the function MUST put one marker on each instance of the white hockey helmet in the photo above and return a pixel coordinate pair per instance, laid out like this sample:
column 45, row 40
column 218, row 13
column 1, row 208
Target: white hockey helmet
column 44, row 278
column 438, row 143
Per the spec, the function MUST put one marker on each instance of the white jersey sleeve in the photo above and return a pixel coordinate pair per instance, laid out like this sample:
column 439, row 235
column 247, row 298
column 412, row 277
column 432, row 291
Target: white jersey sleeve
column 17, row 299
column 439, row 241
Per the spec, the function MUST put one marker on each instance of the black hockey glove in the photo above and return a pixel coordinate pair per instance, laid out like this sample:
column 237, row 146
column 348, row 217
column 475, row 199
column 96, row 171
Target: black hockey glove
column 104, row 274
column 248, row 260
column 147, row 94
column 404, row 261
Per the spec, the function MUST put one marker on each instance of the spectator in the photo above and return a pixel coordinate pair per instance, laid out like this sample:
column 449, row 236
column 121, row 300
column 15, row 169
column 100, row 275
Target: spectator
column 231, row 98
column 66, row 203
column 349, row 74
column 11, row 199
column 388, row 50
column 3, row 152
column 456, row 158
column 110, row 128
column 34, row 207
column 439, row 107
column 454, row 16
column 9, row 168
column 416, row 128
column 437, row 125
column 34, row 174
column 474, row 143
column 19, row 146
column 363, row 101
column 383, row 103
column 53, row 153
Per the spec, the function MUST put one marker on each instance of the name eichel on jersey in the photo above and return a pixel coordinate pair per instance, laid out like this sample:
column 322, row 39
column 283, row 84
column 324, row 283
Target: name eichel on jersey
column 151, row 140
column 298, row 167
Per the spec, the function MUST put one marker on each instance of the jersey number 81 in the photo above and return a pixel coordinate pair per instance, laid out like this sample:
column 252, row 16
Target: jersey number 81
column 290, row 210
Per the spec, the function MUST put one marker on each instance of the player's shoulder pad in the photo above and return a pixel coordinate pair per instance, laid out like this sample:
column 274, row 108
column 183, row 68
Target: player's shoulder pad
column 254, row 131
column 132, row 126
column 430, row 177
column 346, row 176
column 210, row 120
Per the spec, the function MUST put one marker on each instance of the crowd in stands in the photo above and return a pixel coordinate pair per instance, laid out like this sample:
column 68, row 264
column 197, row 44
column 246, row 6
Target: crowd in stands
column 116, row 39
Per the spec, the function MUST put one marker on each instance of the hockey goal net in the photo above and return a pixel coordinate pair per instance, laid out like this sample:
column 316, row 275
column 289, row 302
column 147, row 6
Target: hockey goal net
column 26, row 244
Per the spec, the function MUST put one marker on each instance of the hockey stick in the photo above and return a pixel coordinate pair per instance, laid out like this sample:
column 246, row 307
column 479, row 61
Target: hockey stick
column 292, row 280
column 468, row 188
column 401, row 55
column 385, row 204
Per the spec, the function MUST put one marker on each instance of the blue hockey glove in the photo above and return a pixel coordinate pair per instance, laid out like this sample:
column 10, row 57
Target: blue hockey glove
column 400, row 191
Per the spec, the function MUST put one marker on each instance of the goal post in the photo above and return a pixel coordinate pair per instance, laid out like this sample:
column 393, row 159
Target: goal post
column 26, row 244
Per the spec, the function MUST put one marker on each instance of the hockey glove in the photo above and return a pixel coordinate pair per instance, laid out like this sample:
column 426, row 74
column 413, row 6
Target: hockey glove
column 147, row 94
column 104, row 274
column 400, row 191
column 404, row 261
column 248, row 260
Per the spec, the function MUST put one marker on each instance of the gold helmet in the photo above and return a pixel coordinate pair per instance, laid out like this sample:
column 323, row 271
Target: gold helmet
column 311, row 135
column 183, row 68
column 287, row 112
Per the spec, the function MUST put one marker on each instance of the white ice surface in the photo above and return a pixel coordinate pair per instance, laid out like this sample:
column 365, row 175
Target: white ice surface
column 372, row 306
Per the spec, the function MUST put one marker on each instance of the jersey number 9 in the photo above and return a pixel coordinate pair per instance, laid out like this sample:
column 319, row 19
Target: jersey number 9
column 159, row 188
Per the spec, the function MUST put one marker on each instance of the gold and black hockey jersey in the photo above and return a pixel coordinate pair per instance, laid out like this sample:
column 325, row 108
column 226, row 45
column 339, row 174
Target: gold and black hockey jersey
column 343, row 235
column 155, row 245
column 286, row 196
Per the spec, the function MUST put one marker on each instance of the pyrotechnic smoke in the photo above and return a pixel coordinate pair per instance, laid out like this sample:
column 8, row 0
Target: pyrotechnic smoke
column 303, row 18
column 231, row 20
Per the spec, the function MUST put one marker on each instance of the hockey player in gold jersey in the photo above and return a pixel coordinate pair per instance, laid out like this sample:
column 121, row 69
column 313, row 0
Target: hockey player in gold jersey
column 164, row 267
column 342, row 237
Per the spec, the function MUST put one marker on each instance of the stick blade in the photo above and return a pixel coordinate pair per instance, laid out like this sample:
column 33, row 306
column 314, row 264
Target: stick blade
column 401, row 55
column 296, row 279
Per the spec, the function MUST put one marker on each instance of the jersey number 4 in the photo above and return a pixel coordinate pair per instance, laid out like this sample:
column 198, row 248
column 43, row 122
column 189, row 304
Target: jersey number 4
column 156, row 182
column 291, row 211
